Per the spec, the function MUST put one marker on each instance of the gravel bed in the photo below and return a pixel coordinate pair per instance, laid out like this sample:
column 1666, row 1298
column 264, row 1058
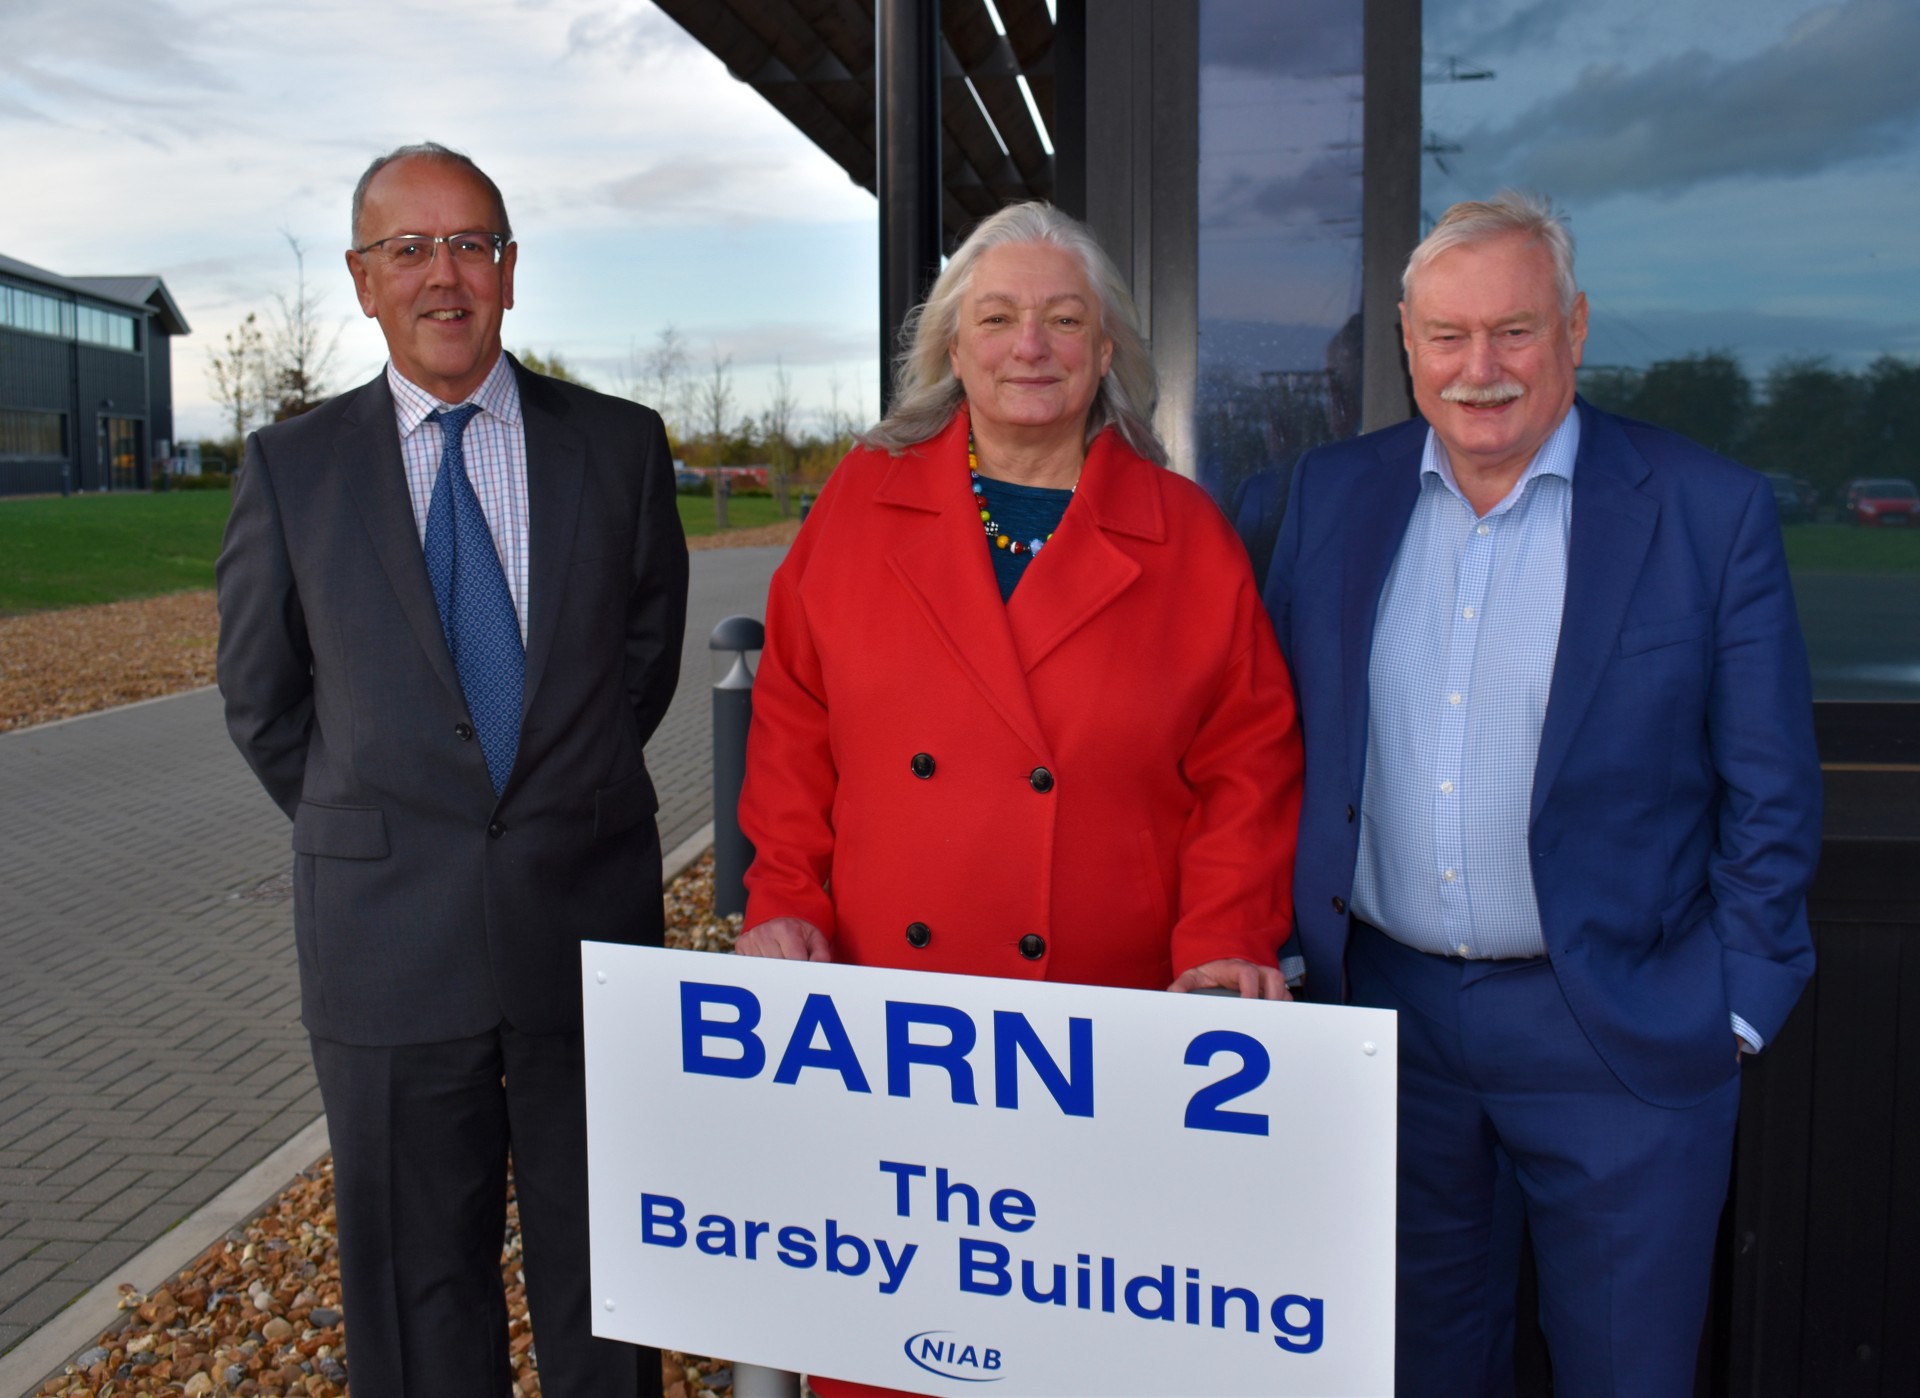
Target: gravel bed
column 259, row 1312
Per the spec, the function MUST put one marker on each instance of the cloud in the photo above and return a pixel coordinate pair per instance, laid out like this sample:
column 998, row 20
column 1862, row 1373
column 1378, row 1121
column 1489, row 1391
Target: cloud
column 1762, row 338
column 629, row 36
column 1303, row 38
column 1840, row 86
column 122, row 52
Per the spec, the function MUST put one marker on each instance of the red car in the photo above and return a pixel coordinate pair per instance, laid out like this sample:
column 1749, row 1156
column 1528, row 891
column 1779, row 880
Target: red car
column 1882, row 502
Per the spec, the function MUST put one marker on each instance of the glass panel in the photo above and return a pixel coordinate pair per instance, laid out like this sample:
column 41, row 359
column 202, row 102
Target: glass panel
column 123, row 453
column 25, row 433
column 1279, row 247
column 1740, row 176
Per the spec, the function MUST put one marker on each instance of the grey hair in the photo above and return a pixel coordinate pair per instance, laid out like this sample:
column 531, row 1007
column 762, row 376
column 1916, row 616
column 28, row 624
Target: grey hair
column 445, row 155
column 1509, row 211
column 926, row 393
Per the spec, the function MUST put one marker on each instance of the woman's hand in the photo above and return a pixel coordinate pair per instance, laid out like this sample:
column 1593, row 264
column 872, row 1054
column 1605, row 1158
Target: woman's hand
column 1253, row 982
column 787, row 938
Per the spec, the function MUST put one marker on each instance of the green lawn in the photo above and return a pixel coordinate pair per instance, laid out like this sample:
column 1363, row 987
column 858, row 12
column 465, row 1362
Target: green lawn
column 743, row 512
column 102, row 548
column 1844, row 548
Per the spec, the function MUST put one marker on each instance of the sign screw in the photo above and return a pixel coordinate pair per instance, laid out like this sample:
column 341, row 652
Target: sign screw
column 600, row 976
column 1369, row 1048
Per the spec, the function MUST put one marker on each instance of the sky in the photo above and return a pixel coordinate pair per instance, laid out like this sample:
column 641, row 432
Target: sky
column 1738, row 173
column 647, row 188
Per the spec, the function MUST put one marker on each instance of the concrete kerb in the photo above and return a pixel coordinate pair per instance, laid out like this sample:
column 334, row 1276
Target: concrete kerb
column 46, row 1352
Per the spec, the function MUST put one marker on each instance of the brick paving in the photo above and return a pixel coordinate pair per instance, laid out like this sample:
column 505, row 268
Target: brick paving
column 150, row 1044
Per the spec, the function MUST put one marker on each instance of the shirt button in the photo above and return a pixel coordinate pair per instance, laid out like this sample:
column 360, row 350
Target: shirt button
column 1033, row 946
column 1467, row 613
column 463, row 731
column 1484, row 529
column 918, row 934
column 922, row 765
column 496, row 830
column 1453, row 698
column 1041, row 780
column 1446, row 788
column 1465, row 950
column 1448, row 875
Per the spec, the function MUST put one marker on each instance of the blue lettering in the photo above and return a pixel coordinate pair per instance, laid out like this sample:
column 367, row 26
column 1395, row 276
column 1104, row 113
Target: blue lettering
column 945, row 1189
column 903, row 1052
column 660, row 1220
column 696, row 1029
column 983, row 1267
column 993, row 1359
column 1012, row 1210
column 836, row 1240
column 1299, row 1339
column 836, row 1055
column 1137, row 1287
column 796, row 1247
column 716, row 1236
column 1249, row 1302
column 901, row 1174
column 1072, row 1091
column 935, row 1350
column 967, row 1356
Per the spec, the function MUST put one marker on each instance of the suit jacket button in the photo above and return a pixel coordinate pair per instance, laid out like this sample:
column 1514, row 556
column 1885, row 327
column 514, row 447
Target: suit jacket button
column 1033, row 946
column 496, row 830
column 1339, row 904
column 1349, row 815
column 463, row 731
column 918, row 934
column 1041, row 780
column 922, row 765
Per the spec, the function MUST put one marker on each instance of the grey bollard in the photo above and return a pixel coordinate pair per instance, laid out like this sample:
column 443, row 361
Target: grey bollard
column 732, row 712
column 752, row 1381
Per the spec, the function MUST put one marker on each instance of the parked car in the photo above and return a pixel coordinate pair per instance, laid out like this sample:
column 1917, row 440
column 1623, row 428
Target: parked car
column 1796, row 500
column 1885, row 503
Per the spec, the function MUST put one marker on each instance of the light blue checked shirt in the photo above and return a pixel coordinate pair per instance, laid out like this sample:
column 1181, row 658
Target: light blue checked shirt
column 1463, row 652
column 494, row 448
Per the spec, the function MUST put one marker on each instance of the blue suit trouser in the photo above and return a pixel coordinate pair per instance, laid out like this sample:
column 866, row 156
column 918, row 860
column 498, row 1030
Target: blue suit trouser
column 1508, row 1115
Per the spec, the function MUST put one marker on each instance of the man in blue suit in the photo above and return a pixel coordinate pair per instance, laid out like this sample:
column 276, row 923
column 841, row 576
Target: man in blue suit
column 1562, row 808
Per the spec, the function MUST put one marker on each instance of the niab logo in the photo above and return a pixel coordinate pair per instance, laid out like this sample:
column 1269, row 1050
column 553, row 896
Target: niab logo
column 938, row 1353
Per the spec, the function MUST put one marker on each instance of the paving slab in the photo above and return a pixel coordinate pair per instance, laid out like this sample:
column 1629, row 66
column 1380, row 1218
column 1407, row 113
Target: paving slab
column 150, row 1045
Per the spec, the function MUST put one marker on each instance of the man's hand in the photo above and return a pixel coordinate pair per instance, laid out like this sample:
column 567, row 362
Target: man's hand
column 787, row 938
column 1253, row 982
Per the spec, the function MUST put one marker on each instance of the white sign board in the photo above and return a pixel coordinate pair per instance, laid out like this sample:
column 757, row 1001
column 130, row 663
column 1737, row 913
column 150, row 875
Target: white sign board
column 954, row 1184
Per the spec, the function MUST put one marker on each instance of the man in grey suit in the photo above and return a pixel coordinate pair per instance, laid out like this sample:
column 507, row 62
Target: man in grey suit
column 451, row 610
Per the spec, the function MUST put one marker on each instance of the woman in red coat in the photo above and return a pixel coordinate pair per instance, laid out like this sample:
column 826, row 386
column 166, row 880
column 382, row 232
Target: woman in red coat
column 1020, row 712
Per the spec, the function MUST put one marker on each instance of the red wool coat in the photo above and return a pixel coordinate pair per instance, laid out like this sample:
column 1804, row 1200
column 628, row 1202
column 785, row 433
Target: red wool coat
column 1097, row 781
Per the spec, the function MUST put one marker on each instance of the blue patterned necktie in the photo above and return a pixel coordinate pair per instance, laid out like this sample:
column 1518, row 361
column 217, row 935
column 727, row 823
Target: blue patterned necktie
column 476, row 610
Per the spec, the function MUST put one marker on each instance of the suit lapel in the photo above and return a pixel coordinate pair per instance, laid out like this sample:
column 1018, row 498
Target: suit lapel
column 1612, row 526
column 368, row 456
column 1376, row 510
column 942, row 562
column 556, row 477
column 1083, row 572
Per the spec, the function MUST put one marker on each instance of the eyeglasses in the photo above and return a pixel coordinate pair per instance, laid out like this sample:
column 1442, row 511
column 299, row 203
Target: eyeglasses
column 414, row 251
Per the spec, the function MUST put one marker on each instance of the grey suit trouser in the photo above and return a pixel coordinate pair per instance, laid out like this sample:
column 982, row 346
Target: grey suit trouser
column 421, row 1136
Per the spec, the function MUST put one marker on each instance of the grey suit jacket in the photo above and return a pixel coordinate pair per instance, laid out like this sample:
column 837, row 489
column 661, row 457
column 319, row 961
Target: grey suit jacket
column 425, row 907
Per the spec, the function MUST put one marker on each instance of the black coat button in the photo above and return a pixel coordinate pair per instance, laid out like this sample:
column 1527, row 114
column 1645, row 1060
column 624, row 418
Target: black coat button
column 463, row 731
column 1033, row 946
column 496, row 829
column 918, row 934
column 1349, row 815
column 1339, row 904
column 1041, row 780
column 922, row 765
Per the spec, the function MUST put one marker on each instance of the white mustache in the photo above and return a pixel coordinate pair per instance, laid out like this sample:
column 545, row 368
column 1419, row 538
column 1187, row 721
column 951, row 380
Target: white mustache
column 1490, row 395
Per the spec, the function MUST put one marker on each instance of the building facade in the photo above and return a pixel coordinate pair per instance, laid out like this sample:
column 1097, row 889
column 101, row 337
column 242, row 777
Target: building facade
column 86, row 380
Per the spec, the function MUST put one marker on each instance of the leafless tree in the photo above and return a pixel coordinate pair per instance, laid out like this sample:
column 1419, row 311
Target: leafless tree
column 776, row 425
column 300, row 345
column 661, row 378
column 713, row 397
column 239, row 374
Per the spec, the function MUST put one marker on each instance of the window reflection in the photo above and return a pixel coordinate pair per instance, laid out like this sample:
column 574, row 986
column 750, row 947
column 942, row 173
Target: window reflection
column 1739, row 176
column 1279, row 247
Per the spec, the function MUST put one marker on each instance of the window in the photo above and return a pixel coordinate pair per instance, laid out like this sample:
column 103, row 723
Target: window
column 1738, row 175
column 26, row 433
column 109, row 328
column 40, row 314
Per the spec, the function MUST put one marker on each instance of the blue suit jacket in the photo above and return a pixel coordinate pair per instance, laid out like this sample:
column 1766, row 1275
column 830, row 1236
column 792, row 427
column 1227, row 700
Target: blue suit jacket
column 1676, row 798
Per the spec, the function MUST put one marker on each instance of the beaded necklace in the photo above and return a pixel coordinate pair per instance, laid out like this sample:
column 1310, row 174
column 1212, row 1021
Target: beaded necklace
column 994, row 536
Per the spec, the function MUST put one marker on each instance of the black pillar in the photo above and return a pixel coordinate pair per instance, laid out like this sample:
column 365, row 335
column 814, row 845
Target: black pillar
column 906, row 126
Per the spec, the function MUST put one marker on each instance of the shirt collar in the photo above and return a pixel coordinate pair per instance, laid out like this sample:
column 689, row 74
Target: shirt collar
column 498, row 396
column 1555, row 458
